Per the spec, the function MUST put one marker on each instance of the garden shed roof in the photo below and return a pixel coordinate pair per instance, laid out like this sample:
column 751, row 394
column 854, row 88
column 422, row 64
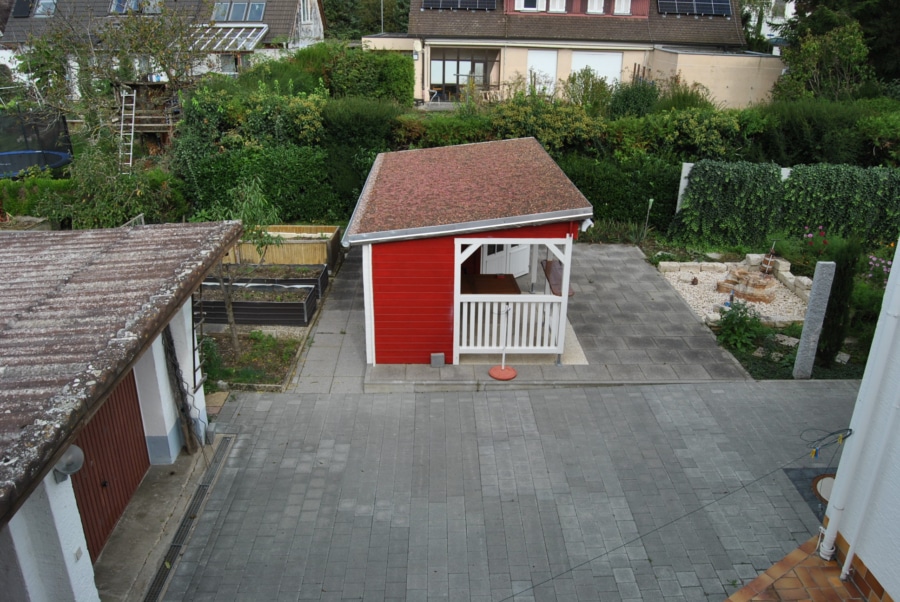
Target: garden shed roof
column 76, row 311
column 464, row 188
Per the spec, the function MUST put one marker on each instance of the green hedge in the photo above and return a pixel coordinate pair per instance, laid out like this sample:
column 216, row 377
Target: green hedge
column 742, row 203
column 19, row 197
column 620, row 190
column 379, row 75
column 292, row 178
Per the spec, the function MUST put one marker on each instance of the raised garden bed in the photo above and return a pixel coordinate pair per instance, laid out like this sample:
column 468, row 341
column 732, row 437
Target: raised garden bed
column 262, row 304
column 299, row 245
column 279, row 274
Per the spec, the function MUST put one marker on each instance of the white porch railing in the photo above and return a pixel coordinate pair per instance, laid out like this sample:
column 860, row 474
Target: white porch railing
column 528, row 323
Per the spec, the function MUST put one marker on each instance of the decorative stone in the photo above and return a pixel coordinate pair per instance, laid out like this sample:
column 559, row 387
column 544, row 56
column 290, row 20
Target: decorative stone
column 686, row 277
column 711, row 266
column 812, row 323
column 787, row 279
column 749, row 285
column 782, row 265
column 786, row 341
column 803, row 283
column 802, row 294
column 755, row 258
column 842, row 358
column 712, row 318
column 669, row 266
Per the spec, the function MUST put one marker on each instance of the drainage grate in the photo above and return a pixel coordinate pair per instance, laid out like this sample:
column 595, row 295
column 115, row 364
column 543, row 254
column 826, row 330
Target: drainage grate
column 157, row 586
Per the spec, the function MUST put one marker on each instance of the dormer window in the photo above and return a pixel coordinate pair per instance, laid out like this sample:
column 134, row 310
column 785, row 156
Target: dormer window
column 238, row 11
column 45, row 8
column 147, row 7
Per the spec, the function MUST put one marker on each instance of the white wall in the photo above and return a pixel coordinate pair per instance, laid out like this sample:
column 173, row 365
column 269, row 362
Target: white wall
column 868, row 477
column 189, row 356
column 158, row 408
column 43, row 552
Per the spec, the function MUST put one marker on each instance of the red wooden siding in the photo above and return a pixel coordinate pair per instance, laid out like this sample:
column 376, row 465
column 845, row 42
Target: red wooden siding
column 115, row 462
column 412, row 284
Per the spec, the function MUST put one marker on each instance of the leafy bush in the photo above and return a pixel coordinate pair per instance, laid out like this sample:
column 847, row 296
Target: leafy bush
column 677, row 94
column 19, row 197
column 740, row 327
column 729, row 203
column 586, row 89
column 380, row 75
column 632, row 99
column 620, row 190
column 810, row 131
column 556, row 125
column 882, row 132
column 443, row 129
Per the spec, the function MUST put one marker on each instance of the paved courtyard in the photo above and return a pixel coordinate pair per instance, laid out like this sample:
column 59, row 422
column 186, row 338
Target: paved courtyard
column 662, row 492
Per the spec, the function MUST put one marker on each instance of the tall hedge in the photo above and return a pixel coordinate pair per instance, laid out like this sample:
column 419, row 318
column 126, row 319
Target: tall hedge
column 740, row 203
column 620, row 190
column 730, row 203
column 379, row 75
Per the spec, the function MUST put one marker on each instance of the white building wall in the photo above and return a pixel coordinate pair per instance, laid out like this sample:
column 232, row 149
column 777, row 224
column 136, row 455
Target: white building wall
column 188, row 354
column 43, row 549
column 868, row 477
column 158, row 408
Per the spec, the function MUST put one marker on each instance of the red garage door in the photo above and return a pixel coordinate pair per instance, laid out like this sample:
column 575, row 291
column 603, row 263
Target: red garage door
column 115, row 462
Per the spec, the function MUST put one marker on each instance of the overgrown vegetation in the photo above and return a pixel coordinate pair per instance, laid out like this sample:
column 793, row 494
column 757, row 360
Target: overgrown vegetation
column 264, row 359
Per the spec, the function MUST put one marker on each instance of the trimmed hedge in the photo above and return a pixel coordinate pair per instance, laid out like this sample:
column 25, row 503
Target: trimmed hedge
column 741, row 203
column 19, row 197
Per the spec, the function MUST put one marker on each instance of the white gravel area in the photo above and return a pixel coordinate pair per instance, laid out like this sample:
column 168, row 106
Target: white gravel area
column 704, row 299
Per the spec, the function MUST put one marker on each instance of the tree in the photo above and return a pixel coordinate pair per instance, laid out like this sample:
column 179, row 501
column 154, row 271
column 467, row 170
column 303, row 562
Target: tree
column 753, row 17
column 877, row 18
column 81, row 61
column 831, row 66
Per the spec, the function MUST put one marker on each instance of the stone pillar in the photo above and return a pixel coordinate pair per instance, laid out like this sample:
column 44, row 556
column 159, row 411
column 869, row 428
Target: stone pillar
column 815, row 314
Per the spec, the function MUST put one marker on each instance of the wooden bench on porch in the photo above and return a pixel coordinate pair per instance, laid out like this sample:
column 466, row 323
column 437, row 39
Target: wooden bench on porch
column 553, row 270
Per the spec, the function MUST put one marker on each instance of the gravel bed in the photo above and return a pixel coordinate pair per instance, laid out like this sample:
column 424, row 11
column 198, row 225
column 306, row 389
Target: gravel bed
column 704, row 299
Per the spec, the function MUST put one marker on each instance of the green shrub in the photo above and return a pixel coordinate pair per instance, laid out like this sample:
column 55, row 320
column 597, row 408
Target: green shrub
column 811, row 131
column 632, row 99
column 19, row 197
column 620, row 190
column 836, row 324
column 676, row 94
column 740, row 327
column 729, row 203
column 380, row 75
column 586, row 89
column 556, row 125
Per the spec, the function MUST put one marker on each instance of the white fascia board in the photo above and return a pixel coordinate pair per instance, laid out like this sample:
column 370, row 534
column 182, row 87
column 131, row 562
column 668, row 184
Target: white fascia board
column 555, row 44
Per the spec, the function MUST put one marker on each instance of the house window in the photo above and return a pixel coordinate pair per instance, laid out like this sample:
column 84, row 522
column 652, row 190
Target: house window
column 123, row 6
column 557, row 6
column 595, row 7
column 238, row 11
column 778, row 9
column 256, row 11
column 45, row 8
column 531, row 5
column 305, row 14
column 220, row 11
column 623, row 7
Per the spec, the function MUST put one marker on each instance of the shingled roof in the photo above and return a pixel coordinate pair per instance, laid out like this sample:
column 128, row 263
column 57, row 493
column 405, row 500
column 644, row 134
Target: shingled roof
column 465, row 188
column 652, row 29
column 280, row 15
column 76, row 311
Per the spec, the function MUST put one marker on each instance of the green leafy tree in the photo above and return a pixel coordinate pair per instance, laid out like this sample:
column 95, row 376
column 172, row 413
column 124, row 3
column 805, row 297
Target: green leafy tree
column 831, row 66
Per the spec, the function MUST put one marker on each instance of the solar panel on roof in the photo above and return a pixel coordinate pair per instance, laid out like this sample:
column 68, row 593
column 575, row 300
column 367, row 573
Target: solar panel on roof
column 695, row 7
column 460, row 4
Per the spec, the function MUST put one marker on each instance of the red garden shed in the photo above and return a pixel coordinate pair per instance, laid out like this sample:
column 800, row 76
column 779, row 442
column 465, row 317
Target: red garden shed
column 445, row 233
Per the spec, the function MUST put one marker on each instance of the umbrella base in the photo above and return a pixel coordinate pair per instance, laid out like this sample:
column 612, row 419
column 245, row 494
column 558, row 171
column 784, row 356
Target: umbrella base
column 502, row 373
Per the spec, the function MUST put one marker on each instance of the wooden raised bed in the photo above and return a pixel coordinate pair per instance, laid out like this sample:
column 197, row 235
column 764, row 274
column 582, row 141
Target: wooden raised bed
column 259, row 311
column 306, row 275
column 300, row 245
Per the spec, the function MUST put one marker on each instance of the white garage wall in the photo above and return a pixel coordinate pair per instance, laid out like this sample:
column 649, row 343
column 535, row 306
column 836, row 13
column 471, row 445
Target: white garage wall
column 604, row 64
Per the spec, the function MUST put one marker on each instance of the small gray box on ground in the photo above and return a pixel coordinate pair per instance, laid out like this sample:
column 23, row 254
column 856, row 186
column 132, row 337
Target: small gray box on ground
column 437, row 360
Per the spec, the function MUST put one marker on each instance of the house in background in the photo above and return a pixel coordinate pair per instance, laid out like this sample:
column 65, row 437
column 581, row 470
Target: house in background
column 483, row 45
column 229, row 31
column 445, row 233
column 94, row 327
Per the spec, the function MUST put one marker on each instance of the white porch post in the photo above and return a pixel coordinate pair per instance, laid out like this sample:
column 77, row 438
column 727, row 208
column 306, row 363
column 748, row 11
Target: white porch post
column 564, row 292
column 368, row 303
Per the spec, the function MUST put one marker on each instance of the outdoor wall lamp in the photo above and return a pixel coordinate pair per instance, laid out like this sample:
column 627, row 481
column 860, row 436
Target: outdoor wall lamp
column 415, row 55
column 70, row 463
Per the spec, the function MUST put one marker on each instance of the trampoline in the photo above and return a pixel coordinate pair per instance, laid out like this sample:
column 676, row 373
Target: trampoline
column 13, row 162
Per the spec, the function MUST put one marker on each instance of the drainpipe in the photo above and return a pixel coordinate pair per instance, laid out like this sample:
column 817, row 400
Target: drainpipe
column 881, row 379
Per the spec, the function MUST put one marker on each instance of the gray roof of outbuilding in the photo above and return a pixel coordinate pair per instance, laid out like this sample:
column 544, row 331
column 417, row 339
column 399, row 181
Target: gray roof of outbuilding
column 653, row 29
column 465, row 188
column 77, row 309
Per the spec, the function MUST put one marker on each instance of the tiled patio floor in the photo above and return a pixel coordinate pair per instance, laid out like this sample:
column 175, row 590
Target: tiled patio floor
column 801, row 576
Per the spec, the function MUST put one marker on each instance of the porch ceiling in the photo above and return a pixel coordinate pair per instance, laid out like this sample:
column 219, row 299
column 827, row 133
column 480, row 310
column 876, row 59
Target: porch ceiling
column 465, row 188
